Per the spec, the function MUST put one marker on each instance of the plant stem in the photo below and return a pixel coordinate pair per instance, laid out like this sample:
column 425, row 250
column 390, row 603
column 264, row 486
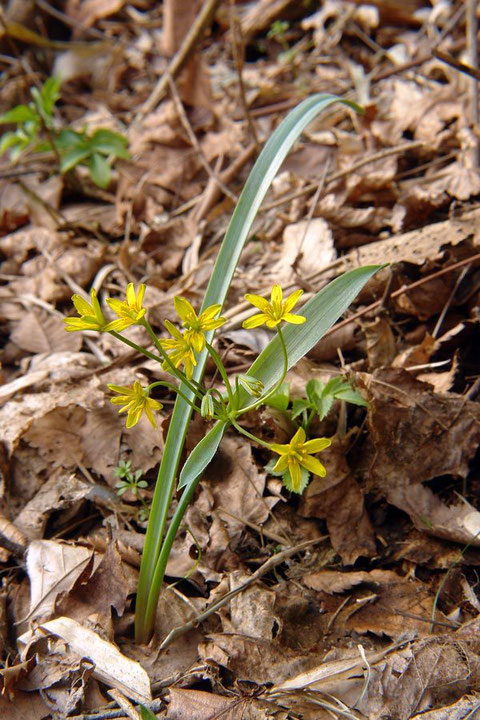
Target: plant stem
column 262, row 399
column 174, row 370
column 164, row 383
column 248, row 434
column 223, row 373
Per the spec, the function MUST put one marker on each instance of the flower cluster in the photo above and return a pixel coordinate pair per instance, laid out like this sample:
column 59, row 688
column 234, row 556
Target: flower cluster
column 296, row 459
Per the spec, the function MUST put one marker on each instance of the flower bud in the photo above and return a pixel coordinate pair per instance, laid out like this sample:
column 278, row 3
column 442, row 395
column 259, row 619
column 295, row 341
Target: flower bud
column 251, row 385
column 207, row 408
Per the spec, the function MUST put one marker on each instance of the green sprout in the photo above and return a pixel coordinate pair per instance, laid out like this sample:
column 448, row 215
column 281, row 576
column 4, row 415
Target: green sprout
column 36, row 132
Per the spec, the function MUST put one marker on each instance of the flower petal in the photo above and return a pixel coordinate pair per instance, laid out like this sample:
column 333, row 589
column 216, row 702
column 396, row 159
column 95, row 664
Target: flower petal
column 281, row 464
column 258, row 302
column 298, row 438
column 254, row 321
column 184, row 309
column 276, row 295
column 317, row 445
column 292, row 300
column 294, row 319
column 314, row 465
column 295, row 474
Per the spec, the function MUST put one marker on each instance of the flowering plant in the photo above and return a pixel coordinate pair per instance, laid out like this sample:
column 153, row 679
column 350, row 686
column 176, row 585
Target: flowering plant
column 185, row 352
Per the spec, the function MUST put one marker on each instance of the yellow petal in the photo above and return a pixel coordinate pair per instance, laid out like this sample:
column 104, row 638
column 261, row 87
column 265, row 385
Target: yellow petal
column 317, row 445
column 294, row 319
column 254, row 321
column 184, row 309
column 295, row 474
column 314, row 465
column 292, row 300
column 276, row 295
column 258, row 302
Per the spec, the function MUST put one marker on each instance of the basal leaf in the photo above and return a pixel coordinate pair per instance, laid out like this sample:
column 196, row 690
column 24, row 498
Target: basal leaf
column 201, row 455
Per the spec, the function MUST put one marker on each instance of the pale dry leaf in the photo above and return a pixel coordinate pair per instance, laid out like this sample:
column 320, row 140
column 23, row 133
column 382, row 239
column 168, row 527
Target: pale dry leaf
column 52, row 568
column 40, row 332
column 111, row 666
column 252, row 610
column 307, row 248
column 60, row 492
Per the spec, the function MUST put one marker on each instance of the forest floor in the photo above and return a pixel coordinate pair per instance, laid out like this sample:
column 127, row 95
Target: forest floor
column 359, row 598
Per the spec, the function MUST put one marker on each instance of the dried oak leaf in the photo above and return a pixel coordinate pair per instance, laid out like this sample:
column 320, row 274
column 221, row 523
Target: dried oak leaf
column 418, row 435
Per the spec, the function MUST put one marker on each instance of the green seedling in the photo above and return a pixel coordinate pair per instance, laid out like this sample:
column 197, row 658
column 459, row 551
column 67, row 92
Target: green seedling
column 131, row 482
column 36, row 132
column 184, row 354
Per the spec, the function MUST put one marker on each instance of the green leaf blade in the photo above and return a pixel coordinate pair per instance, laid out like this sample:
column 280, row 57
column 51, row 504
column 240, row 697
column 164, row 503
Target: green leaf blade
column 201, row 455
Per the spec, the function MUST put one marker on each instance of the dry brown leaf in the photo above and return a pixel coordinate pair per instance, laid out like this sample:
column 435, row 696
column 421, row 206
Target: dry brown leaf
column 88, row 12
column 110, row 666
column 53, row 568
column 60, row 492
column 107, row 586
column 39, row 332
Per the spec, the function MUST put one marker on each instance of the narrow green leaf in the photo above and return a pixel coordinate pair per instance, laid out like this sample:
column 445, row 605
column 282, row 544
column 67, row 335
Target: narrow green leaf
column 109, row 143
column 201, row 455
column 99, row 170
column 19, row 114
column 352, row 396
column 7, row 141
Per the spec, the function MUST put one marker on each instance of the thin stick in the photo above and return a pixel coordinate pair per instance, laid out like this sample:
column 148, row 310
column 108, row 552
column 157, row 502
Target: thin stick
column 203, row 20
column 193, row 139
column 237, row 51
column 472, row 27
column 262, row 570
column 449, row 301
column 399, row 292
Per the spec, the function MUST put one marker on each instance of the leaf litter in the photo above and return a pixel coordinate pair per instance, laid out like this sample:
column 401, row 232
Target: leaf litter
column 377, row 615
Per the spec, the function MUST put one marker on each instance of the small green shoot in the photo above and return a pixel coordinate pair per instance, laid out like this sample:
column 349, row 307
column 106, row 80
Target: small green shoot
column 36, row 132
column 131, row 481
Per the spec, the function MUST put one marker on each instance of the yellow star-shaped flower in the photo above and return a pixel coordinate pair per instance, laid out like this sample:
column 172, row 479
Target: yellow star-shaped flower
column 181, row 347
column 135, row 401
column 91, row 316
column 197, row 325
column 129, row 311
column 298, row 454
column 273, row 312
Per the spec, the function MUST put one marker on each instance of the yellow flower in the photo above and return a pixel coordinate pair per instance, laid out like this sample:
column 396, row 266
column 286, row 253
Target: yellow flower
column 129, row 311
column 182, row 350
column 298, row 454
column 91, row 316
column 196, row 325
column 273, row 312
column 136, row 401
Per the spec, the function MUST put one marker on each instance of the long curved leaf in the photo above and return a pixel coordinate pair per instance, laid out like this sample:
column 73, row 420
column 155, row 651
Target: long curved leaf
column 258, row 182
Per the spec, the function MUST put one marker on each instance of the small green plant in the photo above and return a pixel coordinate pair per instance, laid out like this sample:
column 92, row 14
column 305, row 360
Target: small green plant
column 185, row 352
column 37, row 132
column 277, row 32
column 318, row 401
column 131, row 481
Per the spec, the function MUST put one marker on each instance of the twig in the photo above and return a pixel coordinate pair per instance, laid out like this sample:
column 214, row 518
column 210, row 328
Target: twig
column 472, row 27
column 375, row 157
column 262, row 570
column 193, row 139
column 125, row 704
column 456, row 64
column 178, row 61
column 449, row 301
column 237, row 51
column 401, row 291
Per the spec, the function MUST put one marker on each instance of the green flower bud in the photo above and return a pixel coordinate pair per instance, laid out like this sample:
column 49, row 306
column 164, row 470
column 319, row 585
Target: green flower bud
column 251, row 385
column 207, row 408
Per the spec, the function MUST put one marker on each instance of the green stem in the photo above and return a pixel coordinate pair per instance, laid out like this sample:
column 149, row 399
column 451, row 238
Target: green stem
column 164, row 383
column 174, row 370
column 148, row 619
column 136, row 347
column 262, row 399
column 216, row 359
column 248, row 434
